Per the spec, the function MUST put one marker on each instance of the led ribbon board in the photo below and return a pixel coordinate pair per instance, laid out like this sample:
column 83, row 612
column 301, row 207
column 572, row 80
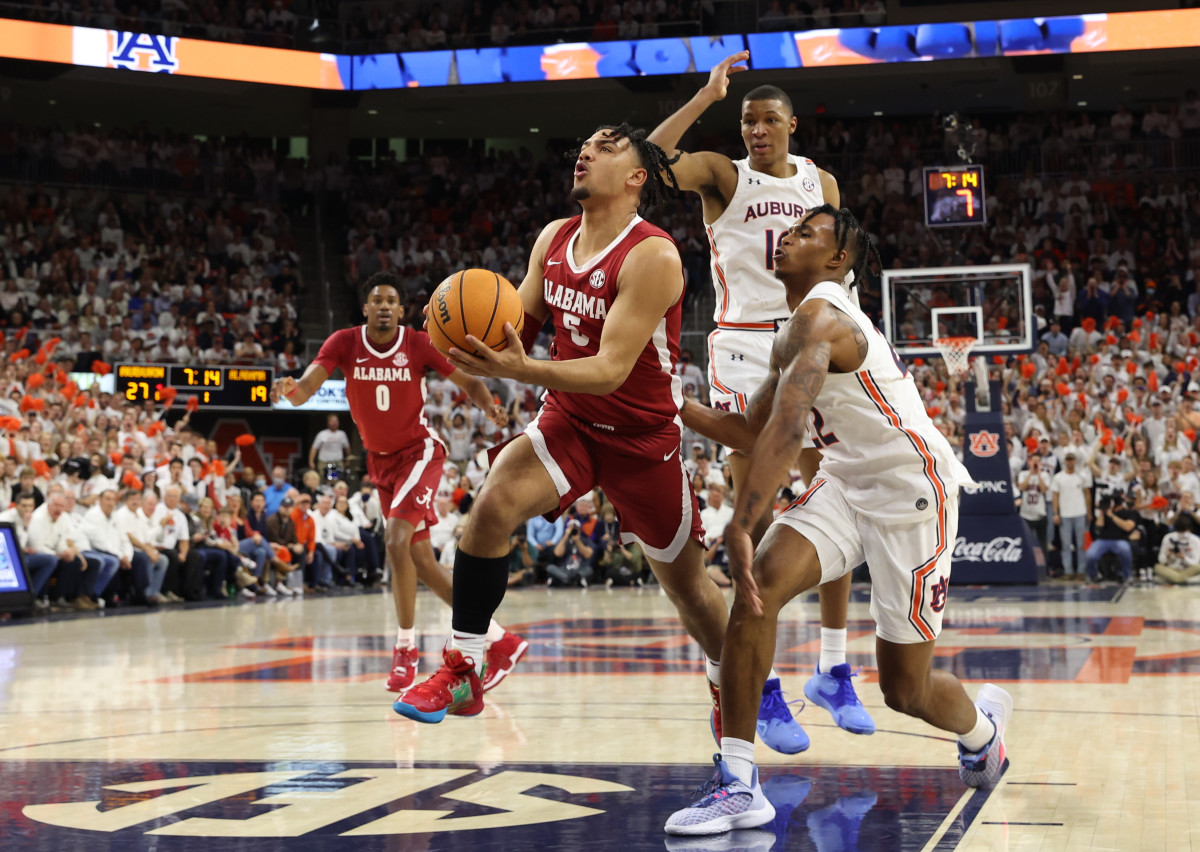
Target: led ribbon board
column 1152, row 30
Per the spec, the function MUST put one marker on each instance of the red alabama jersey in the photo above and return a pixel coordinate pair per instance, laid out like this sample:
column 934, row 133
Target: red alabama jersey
column 579, row 298
column 385, row 388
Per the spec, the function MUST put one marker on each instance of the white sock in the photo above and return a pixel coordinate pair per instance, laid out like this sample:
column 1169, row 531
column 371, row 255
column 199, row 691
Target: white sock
column 774, row 675
column 739, row 757
column 833, row 649
column 406, row 637
column 495, row 632
column 980, row 735
column 471, row 645
column 712, row 668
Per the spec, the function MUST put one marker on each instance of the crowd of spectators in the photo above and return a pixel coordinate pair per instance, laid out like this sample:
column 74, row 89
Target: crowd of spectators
column 88, row 278
column 133, row 508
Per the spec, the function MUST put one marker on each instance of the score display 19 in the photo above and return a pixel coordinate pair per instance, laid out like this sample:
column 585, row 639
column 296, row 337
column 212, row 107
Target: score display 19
column 954, row 195
column 216, row 387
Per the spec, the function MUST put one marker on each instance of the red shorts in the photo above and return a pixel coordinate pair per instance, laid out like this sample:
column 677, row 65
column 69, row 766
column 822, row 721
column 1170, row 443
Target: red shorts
column 407, row 482
column 641, row 473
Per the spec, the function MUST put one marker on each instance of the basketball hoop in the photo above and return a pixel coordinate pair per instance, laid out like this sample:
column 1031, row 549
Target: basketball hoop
column 957, row 353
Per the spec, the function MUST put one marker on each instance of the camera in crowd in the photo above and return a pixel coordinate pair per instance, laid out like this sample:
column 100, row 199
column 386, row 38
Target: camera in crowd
column 1110, row 501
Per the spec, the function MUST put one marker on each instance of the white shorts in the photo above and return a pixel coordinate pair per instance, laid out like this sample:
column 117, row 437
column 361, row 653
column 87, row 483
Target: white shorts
column 909, row 562
column 738, row 362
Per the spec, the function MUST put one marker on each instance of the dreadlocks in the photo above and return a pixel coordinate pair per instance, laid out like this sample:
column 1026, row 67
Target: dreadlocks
column 652, row 158
column 851, row 238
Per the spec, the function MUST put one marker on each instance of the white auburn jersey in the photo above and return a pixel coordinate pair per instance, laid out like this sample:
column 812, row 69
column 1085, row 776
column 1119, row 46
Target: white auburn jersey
column 874, row 435
column 743, row 239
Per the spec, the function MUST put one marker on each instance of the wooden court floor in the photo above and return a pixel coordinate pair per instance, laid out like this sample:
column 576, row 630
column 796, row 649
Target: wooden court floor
column 265, row 726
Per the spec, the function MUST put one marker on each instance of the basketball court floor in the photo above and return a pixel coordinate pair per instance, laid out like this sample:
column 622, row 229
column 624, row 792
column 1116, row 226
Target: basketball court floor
column 265, row 726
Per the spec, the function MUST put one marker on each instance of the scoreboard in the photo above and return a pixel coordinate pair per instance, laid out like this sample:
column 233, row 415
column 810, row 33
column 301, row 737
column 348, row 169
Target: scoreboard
column 954, row 195
column 216, row 387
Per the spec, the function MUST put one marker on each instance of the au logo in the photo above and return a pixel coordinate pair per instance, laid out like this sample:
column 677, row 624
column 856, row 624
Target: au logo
column 143, row 52
column 985, row 444
column 300, row 802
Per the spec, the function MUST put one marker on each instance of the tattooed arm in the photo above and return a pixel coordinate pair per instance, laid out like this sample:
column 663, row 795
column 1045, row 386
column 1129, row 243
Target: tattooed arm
column 736, row 430
column 818, row 337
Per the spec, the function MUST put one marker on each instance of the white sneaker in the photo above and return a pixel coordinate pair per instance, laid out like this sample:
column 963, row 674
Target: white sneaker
column 269, row 591
column 724, row 804
column 247, row 594
column 282, row 588
column 984, row 768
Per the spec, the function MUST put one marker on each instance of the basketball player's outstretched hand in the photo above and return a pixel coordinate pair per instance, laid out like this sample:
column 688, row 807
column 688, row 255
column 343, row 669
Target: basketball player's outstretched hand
column 282, row 387
column 740, row 551
column 506, row 363
column 718, row 79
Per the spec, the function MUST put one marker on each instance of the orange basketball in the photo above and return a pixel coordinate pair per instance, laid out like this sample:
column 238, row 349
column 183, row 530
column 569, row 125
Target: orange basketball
column 477, row 302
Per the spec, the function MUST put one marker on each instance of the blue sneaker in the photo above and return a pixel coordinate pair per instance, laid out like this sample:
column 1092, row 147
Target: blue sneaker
column 776, row 726
column 835, row 692
column 835, row 828
column 723, row 804
column 984, row 768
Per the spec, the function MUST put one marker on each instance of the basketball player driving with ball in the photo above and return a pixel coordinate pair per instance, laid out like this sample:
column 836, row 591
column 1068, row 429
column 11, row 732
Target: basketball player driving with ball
column 748, row 206
column 886, row 491
column 385, row 364
column 613, row 286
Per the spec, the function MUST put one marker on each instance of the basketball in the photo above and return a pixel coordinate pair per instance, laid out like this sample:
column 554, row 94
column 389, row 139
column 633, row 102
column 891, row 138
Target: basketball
column 477, row 302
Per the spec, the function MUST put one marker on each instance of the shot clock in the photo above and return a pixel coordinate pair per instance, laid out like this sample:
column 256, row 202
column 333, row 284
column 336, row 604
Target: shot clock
column 954, row 195
column 216, row 387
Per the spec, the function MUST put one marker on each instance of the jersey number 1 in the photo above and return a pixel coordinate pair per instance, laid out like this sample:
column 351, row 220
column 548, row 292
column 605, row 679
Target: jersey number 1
column 772, row 244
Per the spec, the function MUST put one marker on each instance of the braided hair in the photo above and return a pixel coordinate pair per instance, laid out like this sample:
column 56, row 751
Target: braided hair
column 850, row 237
column 652, row 158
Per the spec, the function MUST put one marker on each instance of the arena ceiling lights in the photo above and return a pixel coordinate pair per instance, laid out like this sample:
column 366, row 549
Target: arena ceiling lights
column 131, row 51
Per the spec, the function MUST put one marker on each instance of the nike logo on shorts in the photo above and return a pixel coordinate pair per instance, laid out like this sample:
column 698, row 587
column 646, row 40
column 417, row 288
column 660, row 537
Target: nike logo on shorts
column 669, row 455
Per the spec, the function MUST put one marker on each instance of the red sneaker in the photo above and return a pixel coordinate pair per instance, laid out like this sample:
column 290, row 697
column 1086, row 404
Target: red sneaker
column 714, row 720
column 501, row 658
column 453, row 689
column 404, row 669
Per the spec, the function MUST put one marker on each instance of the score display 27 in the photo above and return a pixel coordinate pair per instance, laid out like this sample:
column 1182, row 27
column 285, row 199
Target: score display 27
column 215, row 387
column 954, row 195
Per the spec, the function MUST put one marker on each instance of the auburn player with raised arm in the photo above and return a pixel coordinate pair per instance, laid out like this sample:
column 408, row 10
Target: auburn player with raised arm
column 612, row 284
column 886, row 491
column 385, row 364
column 748, row 206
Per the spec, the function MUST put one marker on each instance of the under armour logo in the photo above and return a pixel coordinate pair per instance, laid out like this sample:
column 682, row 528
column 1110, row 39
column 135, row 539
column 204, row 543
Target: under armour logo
column 736, row 356
column 939, row 589
column 752, row 181
column 424, row 499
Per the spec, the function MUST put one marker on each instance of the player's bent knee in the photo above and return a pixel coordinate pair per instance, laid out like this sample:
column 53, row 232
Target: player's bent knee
column 902, row 693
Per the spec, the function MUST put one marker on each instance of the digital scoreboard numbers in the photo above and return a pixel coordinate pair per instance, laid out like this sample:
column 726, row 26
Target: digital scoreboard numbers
column 216, row 387
column 954, row 195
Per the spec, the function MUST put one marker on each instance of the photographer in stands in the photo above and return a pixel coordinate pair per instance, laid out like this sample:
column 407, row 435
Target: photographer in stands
column 1179, row 554
column 1114, row 527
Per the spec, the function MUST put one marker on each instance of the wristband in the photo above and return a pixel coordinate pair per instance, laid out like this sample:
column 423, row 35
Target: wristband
column 531, row 327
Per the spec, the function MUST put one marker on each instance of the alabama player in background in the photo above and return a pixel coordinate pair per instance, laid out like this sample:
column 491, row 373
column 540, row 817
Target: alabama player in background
column 748, row 207
column 887, row 492
column 612, row 284
column 385, row 364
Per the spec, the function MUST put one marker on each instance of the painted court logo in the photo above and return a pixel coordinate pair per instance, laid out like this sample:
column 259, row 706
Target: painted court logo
column 985, row 444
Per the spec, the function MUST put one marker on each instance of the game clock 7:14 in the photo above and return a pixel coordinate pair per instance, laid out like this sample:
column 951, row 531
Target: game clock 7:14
column 954, row 195
column 216, row 387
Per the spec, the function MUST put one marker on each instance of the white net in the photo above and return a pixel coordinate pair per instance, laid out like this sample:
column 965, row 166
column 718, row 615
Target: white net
column 957, row 352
